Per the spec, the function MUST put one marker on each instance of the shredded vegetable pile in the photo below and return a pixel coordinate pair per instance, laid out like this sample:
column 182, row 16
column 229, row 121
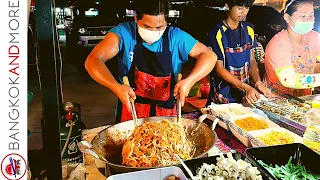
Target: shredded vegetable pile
column 290, row 171
column 228, row 169
column 276, row 138
column 155, row 143
column 250, row 124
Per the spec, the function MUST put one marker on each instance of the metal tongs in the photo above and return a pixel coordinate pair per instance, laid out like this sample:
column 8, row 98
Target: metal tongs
column 178, row 101
column 133, row 109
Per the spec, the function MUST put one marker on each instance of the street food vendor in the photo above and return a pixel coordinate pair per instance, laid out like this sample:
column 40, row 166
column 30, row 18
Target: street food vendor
column 151, row 54
column 233, row 41
column 292, row 54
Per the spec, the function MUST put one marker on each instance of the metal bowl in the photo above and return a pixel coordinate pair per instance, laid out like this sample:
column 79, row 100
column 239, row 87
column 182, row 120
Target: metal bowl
column 107, row 145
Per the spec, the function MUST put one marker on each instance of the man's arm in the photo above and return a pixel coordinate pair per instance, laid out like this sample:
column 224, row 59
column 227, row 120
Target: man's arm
column 95, row 62
column 206, row 60
column 223, row 73
column 255, row 74
column 95, row 65
column 251, row 94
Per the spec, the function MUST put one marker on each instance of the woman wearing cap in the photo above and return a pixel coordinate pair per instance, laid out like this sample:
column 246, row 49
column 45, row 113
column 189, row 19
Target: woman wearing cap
column 233, row 41
column 291, row 55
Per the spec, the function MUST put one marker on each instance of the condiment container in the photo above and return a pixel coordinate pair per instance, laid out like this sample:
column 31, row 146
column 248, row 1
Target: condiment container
column 311, row 137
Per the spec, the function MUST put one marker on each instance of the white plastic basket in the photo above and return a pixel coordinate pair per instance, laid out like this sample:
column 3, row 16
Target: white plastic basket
column 154, row 174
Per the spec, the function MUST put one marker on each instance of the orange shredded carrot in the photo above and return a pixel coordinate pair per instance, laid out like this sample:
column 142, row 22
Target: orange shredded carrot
column 155, row 143
column 250, row 124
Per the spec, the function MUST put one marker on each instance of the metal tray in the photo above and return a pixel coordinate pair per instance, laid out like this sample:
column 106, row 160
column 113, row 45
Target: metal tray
column 280, row 155
column 194, row 164
column 285, row 121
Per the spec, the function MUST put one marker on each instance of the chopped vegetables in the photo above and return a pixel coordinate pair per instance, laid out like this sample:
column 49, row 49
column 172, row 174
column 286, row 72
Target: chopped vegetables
column 276, row 138
column 228, row 168
column 250, row 124
column 290, row 171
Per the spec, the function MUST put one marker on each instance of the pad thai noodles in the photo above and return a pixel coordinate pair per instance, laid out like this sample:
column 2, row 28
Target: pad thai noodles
column 154, row 144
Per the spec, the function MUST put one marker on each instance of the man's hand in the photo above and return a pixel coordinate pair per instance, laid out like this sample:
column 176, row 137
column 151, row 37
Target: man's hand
column 181, row 90
column 124, row 92
column 263, row 89
column 252, row 95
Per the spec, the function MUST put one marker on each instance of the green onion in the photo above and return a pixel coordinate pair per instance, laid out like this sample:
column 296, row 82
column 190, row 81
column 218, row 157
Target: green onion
column 289, row 171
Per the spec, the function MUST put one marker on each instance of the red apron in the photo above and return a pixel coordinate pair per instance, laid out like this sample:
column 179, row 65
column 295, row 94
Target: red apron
column 151, row 75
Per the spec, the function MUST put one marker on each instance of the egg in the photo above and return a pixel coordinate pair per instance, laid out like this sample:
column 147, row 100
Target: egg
column 172, row 177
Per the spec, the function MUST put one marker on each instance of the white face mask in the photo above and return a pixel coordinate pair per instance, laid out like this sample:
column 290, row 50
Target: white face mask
column 150, row 36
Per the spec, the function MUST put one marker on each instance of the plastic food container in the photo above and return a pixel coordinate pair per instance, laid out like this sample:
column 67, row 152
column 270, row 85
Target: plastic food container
column 255, row 142
column 311, row 137
column 194, row 164
column 154, row 174
column 280, row 155
column 241, row 134
column 227, row 111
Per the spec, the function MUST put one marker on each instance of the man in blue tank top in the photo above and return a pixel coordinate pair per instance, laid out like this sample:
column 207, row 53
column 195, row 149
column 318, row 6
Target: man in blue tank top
column 150, row 53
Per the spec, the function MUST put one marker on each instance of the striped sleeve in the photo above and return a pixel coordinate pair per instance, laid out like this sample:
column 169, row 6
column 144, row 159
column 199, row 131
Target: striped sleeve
column 215, row 42
column 250, row 28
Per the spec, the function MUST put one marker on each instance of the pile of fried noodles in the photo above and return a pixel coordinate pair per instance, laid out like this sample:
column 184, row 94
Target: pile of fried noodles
column 154, row 144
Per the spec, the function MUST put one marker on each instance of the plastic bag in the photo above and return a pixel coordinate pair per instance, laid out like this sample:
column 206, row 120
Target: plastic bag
column 311, row 137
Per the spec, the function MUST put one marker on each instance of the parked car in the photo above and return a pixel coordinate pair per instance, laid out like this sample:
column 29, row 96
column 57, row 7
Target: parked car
column 199, row 19
column 89, row 26
column 266, row 21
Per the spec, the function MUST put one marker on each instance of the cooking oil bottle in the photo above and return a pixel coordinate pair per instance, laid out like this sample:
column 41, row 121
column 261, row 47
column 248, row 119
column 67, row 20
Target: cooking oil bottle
column 311, row 137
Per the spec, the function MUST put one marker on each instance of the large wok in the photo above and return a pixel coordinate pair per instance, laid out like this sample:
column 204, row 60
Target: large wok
column 107, row 145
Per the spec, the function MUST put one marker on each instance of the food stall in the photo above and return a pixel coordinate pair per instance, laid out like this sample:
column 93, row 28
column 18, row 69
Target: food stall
column 251, row 134
column 274, row 128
